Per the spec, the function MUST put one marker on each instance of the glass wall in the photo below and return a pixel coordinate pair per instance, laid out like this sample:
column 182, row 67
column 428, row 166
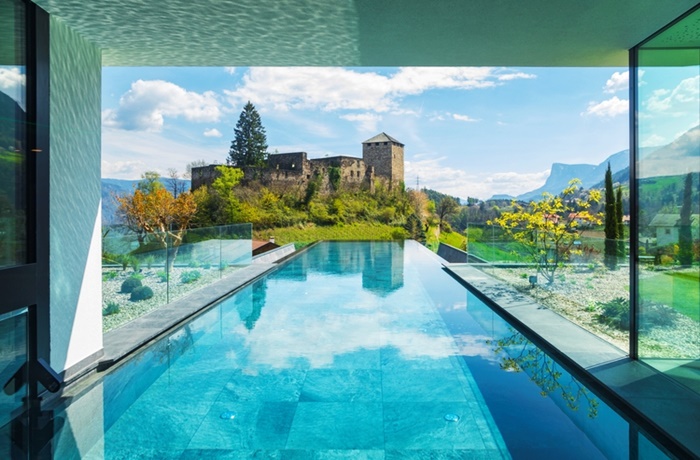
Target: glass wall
column 668, row 212
column 13, row 148
column 141, row 273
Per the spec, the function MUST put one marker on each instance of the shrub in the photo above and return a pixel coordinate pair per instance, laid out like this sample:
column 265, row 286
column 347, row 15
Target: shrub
column 135, row 263
column 111, row 309
column 109, row 276
column 162, row 276
column 130, row 284
column 190, row 276
column 616, row 313
column 193, row 264
column 399, row 234
column 657, row 316
column 149, row 261
column 665, row 260
column 206, row 266
column 141, row 293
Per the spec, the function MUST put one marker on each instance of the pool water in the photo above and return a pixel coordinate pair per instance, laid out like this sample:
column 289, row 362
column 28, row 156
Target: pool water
column 350, row 350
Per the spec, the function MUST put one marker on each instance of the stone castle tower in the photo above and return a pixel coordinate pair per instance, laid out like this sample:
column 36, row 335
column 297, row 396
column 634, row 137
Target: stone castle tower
column 385, row 154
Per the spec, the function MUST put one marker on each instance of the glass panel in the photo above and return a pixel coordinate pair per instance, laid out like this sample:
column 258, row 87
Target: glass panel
column 571, row 277
column 668, row 171
column 169, row 269
column 13, row 355
column 13, row 148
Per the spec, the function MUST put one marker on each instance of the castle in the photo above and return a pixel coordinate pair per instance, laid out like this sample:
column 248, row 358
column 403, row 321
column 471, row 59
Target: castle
column 382, row 158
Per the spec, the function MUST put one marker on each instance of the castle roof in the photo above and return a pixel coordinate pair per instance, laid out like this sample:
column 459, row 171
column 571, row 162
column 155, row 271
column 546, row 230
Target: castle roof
column 382, row 137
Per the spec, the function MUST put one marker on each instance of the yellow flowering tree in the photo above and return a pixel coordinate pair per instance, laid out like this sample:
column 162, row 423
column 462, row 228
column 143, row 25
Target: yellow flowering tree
column 547, row 229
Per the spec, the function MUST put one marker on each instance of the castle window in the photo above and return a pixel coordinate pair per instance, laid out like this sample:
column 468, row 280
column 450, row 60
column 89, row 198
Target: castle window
column 352, row 173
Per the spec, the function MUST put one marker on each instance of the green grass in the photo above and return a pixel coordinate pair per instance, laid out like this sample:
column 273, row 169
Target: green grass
column 453, row 239
column 308, row 234
column 500, row 252
column 678, row 290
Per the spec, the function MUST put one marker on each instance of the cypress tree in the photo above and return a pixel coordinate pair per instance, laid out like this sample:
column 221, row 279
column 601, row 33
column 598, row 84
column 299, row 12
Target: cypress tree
column 249, row 147
column 610, row 222
column 620, row 225
column 685, row 234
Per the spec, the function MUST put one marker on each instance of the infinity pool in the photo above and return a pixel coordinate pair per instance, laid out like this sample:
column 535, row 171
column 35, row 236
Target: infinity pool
column 350, row 350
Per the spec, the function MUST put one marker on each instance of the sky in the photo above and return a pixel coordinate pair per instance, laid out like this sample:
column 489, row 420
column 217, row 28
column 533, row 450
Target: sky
column 468, row 132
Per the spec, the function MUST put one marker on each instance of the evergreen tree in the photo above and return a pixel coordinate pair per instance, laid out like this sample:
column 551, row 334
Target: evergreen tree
column 685, row 234
column 249, row 147
column 610, row 222
column 618, row 222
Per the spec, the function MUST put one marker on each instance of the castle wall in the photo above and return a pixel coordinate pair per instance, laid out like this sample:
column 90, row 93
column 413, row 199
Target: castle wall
column 379, row 160
column 203, row 175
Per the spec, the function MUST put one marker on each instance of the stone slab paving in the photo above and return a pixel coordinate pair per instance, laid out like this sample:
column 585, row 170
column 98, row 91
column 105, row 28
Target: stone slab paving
column 122, row 341
column 670, row 407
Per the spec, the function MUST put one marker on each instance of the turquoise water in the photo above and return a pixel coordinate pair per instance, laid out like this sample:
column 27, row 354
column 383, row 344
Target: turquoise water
column 351, row 350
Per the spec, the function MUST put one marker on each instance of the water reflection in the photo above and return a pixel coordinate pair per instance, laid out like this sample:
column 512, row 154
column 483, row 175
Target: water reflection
column 380, row 263
column 517, row 354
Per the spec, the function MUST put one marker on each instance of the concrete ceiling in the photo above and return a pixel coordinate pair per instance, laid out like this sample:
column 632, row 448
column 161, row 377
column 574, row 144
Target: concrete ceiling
column 366, row 32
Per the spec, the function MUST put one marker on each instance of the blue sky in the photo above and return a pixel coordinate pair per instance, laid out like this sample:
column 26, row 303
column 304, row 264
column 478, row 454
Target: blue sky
column 467, row 131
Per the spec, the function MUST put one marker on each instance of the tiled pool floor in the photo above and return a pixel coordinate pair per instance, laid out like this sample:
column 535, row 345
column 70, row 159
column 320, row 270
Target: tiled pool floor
column 371, row 376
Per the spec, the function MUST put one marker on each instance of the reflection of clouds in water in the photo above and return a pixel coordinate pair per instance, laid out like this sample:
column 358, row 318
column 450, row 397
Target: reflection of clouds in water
column 295, row 327
column 318, row 340
column 475, row 346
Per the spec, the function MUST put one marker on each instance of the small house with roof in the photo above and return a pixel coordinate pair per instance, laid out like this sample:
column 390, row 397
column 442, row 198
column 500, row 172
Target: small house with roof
column 667, row 226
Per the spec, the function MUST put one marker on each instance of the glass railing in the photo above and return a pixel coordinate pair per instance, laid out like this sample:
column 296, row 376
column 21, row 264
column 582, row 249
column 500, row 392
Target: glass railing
column 577, row 280
column 141, row 273
column 13, row 356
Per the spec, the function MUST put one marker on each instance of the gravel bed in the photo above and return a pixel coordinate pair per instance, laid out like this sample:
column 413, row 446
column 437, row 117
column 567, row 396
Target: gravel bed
column 577, row 294
column 129, row 310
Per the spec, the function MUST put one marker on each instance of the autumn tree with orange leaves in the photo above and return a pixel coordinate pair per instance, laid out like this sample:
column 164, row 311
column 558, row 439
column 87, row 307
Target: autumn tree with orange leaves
column 157, row 212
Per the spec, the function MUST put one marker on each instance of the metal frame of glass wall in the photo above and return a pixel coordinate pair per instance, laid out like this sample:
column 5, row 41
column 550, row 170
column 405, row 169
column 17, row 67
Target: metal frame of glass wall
column 665, row 196
column 24, row 272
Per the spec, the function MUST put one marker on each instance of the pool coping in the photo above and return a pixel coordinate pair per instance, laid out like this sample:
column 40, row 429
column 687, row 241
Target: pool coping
column 662, row 407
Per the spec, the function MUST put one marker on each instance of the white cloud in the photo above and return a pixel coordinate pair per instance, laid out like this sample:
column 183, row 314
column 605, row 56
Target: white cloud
column 12, row 82
column 665, row 100
column 230, row 70
column 609, row 108
column 516, row 76
column 147, row 103
column 334, row 88
column 11, row 78
column 653, row 140
column 119, row 169
column 617, row 82
column 127, row 154
column 366, row 122
column 212, row 133
column 456, row 182
column 466, row 118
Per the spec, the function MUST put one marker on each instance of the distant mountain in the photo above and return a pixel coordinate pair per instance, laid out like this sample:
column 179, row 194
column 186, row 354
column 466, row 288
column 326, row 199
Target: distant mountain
column 590, row 175
column 678, row 157
column 670, row 160
column 116, row 187
column 501, row 197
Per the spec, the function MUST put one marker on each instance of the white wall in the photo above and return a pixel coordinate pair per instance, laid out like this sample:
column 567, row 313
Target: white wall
column 75, row 238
